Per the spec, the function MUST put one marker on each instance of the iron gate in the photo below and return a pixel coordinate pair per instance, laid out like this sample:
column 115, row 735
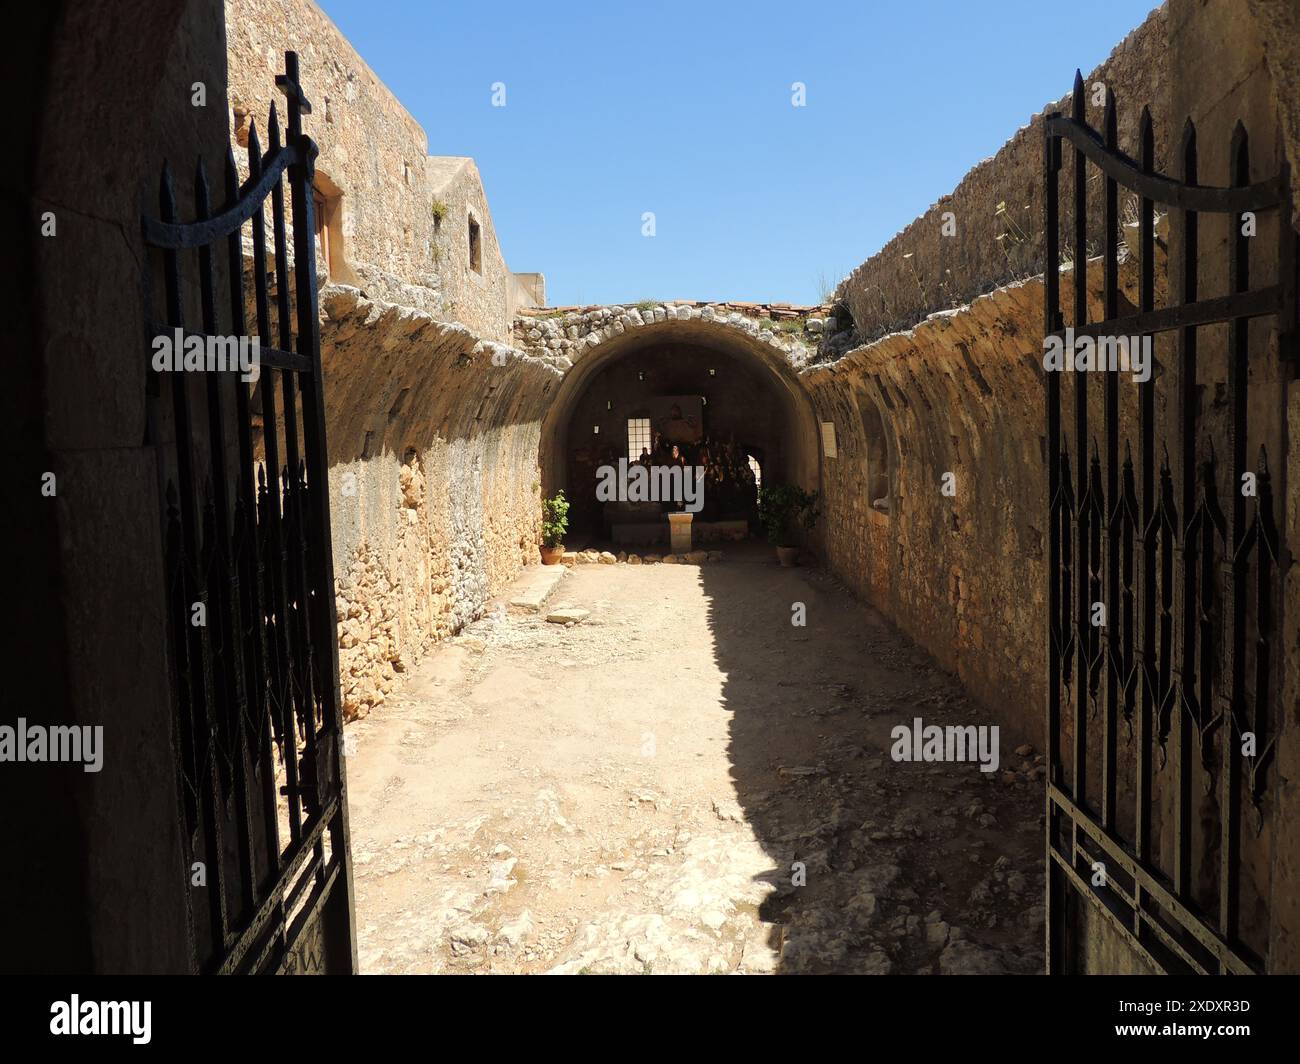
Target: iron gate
column 1167, row 525
column 250, row 571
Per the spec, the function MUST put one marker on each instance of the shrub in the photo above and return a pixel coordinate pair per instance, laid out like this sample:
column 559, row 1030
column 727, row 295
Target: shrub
column 555, row 520
column 784, row 510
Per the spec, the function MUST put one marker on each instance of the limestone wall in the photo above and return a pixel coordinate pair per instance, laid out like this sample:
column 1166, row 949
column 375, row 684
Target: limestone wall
column 374, row 173
column 434, row 490
column 481, row 297
column 951, row 381
column 569, row 332
column 371, row 151
column 962, row 574
column 997, row 207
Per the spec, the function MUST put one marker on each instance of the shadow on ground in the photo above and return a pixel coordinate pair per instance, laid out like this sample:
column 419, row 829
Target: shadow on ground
column 906, row 867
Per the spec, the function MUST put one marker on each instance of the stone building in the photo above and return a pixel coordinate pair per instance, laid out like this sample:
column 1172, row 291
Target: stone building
column 454, row 401
column 402, row 225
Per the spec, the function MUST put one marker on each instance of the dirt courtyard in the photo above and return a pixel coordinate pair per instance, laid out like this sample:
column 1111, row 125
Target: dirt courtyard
column 687, row 782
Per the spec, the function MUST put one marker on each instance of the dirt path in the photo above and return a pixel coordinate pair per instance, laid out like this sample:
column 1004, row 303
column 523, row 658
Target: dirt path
column 632, row 793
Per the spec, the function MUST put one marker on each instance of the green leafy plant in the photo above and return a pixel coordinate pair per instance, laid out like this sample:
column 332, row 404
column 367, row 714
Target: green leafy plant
column 785, row 510
column 555, row 520
column 440, row 210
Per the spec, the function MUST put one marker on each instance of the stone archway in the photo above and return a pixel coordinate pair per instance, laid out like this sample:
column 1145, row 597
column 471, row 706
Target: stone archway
column 748, row 376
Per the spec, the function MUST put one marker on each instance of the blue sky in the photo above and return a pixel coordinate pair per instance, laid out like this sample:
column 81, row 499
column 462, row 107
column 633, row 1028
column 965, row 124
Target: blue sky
column 684, row 109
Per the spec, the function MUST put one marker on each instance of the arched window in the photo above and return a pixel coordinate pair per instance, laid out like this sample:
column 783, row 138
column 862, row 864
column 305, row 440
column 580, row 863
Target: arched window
column 879, row 458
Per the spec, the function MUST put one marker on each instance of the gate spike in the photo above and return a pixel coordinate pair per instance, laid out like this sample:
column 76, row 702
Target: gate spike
column 232, row 176
column 201, row 195
column 254, row 150
column 1187, row 148
column 1240, row 143
column 166, row 194
column 1076, row 98
column 273, row 128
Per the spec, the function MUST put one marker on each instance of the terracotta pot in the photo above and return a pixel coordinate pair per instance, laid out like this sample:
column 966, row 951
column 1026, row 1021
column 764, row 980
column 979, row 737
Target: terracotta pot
column 552, row 555
column 789, row 555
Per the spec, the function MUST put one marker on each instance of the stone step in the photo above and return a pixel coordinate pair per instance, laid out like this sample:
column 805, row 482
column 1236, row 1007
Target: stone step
column 534, row 586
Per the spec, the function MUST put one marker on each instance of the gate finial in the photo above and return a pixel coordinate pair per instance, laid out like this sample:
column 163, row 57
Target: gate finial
column 289, row 84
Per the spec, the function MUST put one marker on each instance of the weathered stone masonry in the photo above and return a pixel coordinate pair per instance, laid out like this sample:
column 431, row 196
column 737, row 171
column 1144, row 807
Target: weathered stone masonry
column 433, row 437
column 953, row 364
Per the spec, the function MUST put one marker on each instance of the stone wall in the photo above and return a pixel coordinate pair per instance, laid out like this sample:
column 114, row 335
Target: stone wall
column 997, row 207
column 951, row 381
column 105, row 91
column 434, row 490
column 569, row 332
column 962, row 574
column 372, row 152
column 433, row 425
column 481, row 297
column 379, row 185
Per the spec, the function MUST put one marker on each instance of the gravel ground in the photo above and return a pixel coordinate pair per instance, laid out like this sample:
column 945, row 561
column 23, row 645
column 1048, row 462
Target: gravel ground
column 684, row 781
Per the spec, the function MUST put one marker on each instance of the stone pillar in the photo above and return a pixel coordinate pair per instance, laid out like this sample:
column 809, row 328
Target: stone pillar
column 679, row 528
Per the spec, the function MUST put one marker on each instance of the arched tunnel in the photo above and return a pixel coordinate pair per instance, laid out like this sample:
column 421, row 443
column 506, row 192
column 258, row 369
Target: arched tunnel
column 723, row 396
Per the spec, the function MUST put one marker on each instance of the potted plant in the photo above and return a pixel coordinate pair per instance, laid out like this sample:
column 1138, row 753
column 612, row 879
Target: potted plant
column 555, row 522
column 785, row 512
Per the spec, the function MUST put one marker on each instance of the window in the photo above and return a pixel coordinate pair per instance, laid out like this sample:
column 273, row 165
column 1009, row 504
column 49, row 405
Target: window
column 475, row 247
column 638, row 436
column 318, row 206
column 757, row 471
column 327, row 223
column 878, row 457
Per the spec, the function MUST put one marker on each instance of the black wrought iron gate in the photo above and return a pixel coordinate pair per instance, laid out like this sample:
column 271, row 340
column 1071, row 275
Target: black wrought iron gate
column 249, row 566
column 1163, row 562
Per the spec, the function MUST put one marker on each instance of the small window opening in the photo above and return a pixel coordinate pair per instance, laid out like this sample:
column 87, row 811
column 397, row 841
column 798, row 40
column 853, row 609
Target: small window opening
column 475, row 247
column 638, row 437
column 318, row 205
column 879, row 492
